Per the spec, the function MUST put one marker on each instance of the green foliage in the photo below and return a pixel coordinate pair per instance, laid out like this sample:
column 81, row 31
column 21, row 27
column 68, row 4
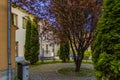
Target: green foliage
column 87, row 53
column 27, row 39
column 106, row 47
column 88, row 61
column 69, row 71
column 64, row 52
column 108, row 66
column 32, row 42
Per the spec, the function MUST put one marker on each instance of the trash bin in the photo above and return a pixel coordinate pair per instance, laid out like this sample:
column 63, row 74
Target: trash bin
column 23, row 70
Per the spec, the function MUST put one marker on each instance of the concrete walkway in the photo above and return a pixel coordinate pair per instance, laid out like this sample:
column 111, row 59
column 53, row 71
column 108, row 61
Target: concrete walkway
column 49, row 72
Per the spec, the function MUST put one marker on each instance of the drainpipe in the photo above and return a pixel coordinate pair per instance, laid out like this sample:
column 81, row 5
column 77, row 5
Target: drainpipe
column 9, row 41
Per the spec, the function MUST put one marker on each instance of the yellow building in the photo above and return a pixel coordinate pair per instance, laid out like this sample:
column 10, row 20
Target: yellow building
column 4, row 42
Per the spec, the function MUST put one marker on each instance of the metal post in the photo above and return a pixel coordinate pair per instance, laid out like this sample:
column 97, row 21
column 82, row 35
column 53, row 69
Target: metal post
column 9, row 41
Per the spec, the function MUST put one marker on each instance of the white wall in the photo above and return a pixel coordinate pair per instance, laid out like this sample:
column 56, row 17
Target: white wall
column 50, row 50
column 3, row 78
column 43, row 44
column 20, row 35
column 20, row 32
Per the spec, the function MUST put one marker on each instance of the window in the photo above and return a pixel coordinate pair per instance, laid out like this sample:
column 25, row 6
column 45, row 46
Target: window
column 14, row 19
column 24, row 21
column 47, row 49
column 53, row 50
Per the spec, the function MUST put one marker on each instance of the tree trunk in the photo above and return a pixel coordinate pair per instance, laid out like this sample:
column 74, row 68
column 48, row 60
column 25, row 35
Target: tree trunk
column 79, row 62
column 77, row 68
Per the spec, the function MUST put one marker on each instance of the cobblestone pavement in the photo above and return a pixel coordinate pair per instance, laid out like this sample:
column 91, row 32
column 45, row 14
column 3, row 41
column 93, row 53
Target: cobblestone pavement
column 49, row 72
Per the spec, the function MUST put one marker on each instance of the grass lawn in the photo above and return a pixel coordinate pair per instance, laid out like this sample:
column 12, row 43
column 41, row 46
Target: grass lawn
column 52, row 62
column 48, row 62
column 84, row 72
column 59, row 61
column 87, row 61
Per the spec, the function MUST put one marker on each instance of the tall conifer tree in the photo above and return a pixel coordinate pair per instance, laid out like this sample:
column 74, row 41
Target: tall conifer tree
column 27, row 39
column 64, row 52
column 106, row 47
column 34, row 43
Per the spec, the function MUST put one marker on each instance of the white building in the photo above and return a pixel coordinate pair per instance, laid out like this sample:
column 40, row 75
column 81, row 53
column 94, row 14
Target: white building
column 19, row 17
column 47, row 47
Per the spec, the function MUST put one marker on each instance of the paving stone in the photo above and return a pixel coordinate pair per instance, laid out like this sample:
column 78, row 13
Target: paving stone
column 49, row 72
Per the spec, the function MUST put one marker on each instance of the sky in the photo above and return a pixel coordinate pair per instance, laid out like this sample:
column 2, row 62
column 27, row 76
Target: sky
column 41, row 8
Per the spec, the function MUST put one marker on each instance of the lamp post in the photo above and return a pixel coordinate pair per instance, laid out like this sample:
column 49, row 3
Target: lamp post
column 9, row 41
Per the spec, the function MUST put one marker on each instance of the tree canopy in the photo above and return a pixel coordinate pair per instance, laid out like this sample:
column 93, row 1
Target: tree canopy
column 76, row 21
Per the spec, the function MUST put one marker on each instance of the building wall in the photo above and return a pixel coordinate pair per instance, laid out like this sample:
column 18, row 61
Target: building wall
column 13, row 29
column 50, row 52
column 43, row 43
column 20, row 32
column 3, row 34
column 3, row 41
column 57, row 47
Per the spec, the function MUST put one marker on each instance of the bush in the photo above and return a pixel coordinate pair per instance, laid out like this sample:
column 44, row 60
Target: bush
column 87, row 54
column 64, row 52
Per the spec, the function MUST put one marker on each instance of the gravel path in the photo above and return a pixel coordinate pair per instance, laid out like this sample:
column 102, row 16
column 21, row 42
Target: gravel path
column 49, row 72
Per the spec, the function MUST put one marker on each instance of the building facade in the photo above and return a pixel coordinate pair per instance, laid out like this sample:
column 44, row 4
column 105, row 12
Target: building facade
column 18, row 24
column 19, row 16
column 4, row 43
column 48, row 48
